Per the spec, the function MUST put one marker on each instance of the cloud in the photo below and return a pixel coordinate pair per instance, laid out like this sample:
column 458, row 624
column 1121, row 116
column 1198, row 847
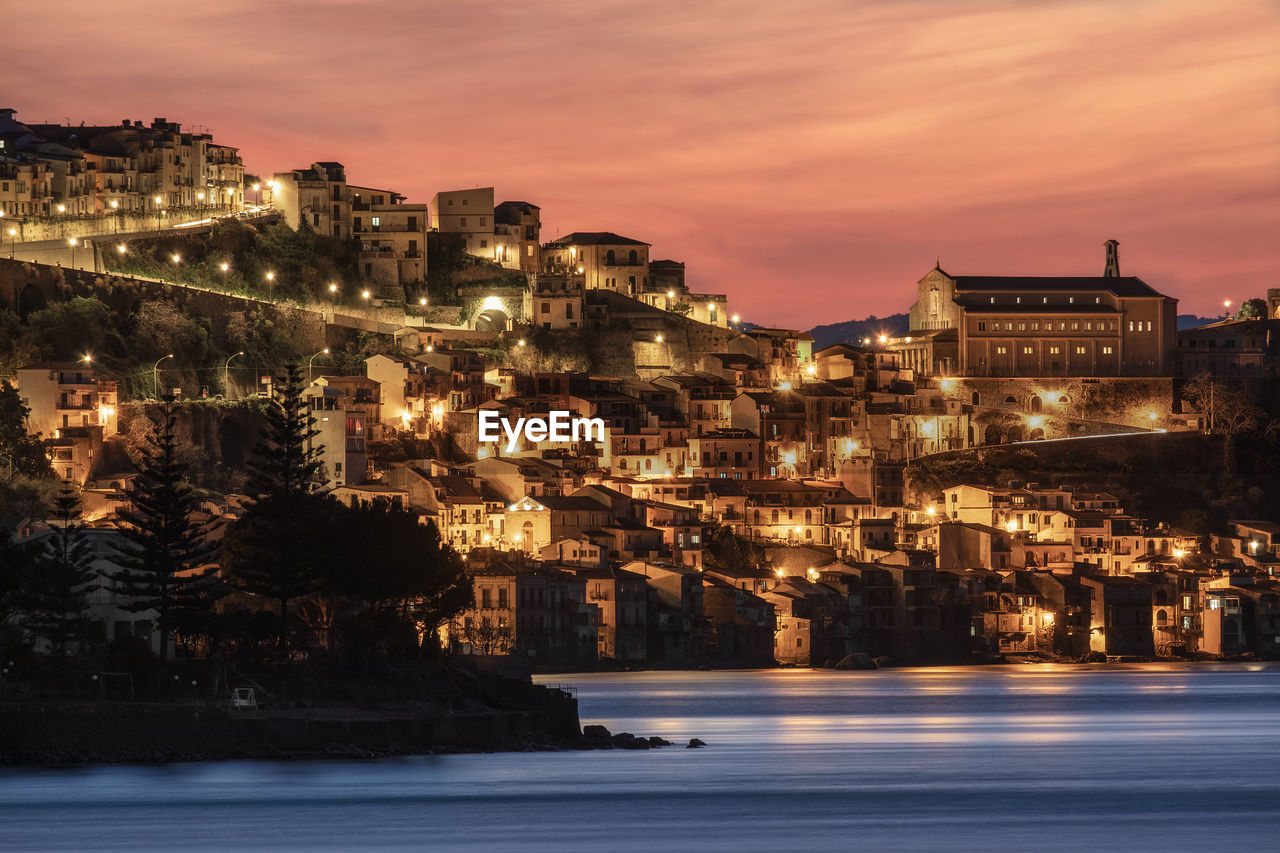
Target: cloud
column 822, row 148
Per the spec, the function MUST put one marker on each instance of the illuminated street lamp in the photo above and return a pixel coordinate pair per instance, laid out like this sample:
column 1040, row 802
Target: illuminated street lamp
column 158, row 201
column 422, row 300
column 155, row 374
column 226, row 373
column 121, row 248
column 333, row 288
column 658, row 339
column 176, row 258
column 73, row 242
column 224, row 266
column 13, row 239
column 520, row 342
column 736, row 319
column 364, row 294
column 62, row 208
column 311, row 360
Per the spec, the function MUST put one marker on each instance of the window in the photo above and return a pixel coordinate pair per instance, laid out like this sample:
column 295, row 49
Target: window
column 483, row 220
column 1055, row 350
column 1008, row 327
column 375, row 221
column 1079, row 350
column 982, row 326
column 1075, row 326
column 462, row 221
column 1002, row 350
column 1027, row 350
column 1022, row 327
column 1035, row 325
column 1106, row 351
column 1131, row 325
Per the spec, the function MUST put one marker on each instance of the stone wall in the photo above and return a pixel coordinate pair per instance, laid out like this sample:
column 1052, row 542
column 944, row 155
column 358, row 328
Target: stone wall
column 1119, row 401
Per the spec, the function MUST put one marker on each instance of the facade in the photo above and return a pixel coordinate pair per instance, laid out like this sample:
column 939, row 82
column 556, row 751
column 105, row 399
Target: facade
column 468, row 214
column 517, row 235
column 1232, row 349
column 1106, row 325
column 341, row 425
column 67, row 394
column 51, row 171
column 606, row 260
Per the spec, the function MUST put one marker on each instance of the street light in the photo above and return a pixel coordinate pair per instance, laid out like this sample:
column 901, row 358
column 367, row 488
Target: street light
column 226, row 373
column 333, row 288
column 658, row 339
column 364, row 294
column 155, row 374
column 324, row 351
column 157, row 200
column 121, row 248
column 73, row 242
column 13, row 239
column 224, row 266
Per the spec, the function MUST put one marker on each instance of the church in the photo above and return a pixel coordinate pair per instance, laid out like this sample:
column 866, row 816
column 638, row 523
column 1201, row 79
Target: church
column 1034, row 326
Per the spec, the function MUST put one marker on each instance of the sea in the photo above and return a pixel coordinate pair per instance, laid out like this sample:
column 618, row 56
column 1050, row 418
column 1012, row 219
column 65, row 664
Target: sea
column 1001, row 758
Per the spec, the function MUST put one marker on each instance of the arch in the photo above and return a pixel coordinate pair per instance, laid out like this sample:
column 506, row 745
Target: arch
column 774, row 517
column 31, row 299
column 633, row 258
column 1162, row 617
column 1036, row 405
column 1162, row 595
column 492, row 320
column 1016, row 433
column 1037, row 434
column 975, row 398
column 808, row 516
column 757, row 516
column 991, row 435
column 808, row 533
column 970, row 435
column 610, row 259
column 1010, row 400
column 1063, row 400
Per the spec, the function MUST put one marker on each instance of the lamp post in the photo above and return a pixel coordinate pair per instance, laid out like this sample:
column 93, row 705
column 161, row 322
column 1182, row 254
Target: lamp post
column 13, row 239
column 226, row 373
column 72, row 242
column 155, row 374
column 324, row 351
column 157, row 201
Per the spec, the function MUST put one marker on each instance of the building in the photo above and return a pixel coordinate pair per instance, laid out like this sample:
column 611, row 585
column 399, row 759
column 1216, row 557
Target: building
column 392, row 235
column 1234, row 349
column 75, row 171
column 1033, row 326
column 517, row 235
column 606, row 260
column 341, row 431
column 469, row 215
column 316, row 197
column 62, row 394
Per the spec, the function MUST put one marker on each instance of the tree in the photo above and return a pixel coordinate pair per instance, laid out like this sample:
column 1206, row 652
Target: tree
column 279, row 548
column 726, row 549
column 21, row 453
column 164, row 560
column 1228, row 411
column 1252, row 309
column 286, row 461
column 59, row 588
column 413, row 576
column 17, row 564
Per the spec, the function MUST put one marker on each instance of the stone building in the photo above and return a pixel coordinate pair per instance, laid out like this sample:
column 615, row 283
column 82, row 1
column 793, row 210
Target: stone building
column 606, row 260
column 468, row 214
column 517, row 235
column 1108, row 325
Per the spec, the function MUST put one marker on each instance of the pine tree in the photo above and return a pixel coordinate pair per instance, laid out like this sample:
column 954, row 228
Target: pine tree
column 164, row 558
column 64, row 577
column 278, row 549
column 286, row 460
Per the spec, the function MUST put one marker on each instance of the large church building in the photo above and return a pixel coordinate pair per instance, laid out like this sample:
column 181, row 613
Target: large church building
column 1107, row 325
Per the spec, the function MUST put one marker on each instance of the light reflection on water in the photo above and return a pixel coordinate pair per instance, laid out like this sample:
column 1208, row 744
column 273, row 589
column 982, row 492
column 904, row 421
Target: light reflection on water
column 1175, row 757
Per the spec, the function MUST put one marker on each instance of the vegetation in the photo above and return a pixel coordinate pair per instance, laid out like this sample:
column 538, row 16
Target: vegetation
column 273, row 262
column 57, row 591
column 165, row 561
column 26, row 477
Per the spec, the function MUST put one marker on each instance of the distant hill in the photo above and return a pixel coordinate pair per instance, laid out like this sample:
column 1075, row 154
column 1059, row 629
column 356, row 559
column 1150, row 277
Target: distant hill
column 853, row 331
column 1190, row 321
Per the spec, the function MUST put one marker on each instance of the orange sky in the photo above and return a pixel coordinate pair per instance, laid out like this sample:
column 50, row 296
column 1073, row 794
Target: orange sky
column 808, row 158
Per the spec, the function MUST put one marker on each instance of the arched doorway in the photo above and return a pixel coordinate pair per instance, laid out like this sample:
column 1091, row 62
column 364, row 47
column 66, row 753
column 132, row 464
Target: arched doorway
column 1016, row 433
column 975, row 399
column 1036, row 405
column 991, row 435
column 492, row 320
column 1037, row 434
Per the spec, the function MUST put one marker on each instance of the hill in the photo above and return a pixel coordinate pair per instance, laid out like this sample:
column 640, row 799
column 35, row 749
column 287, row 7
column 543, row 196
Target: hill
column 853, row 331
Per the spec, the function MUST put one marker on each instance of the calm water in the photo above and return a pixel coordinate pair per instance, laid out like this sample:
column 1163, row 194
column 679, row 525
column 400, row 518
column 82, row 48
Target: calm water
column 994, row 759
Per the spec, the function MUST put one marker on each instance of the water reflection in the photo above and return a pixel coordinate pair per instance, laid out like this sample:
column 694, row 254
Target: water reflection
column 1175, row 757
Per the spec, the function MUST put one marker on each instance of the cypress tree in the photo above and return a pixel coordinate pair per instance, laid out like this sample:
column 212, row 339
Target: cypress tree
column 164, row 559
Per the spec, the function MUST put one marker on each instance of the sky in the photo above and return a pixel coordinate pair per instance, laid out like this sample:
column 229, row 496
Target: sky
column 811, row 158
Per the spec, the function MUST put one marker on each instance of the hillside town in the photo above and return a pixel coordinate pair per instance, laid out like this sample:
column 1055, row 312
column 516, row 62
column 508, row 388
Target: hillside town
column 753, row 498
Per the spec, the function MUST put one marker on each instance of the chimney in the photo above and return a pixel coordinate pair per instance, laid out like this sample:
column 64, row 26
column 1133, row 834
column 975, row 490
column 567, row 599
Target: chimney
column 1113, row 259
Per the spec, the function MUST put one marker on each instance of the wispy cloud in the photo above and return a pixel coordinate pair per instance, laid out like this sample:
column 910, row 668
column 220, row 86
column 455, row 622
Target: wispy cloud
column 824, row 147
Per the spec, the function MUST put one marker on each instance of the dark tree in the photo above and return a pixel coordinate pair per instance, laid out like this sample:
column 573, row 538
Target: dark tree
column 279, row 549
column 165, row 559
column 411, row 576
column 21, row 453
column 726, row 549
column 286, row 461
column 64, row 577
column 17, row 564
